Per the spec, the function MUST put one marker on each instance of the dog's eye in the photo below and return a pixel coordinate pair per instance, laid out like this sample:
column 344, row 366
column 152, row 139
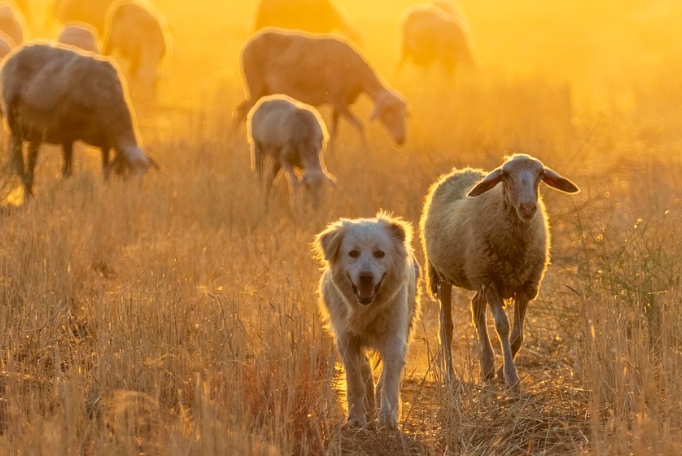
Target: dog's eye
column 379, row 254
column 353, row 254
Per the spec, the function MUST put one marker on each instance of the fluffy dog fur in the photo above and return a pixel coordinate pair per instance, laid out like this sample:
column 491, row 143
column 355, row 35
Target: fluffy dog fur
column 368, row 293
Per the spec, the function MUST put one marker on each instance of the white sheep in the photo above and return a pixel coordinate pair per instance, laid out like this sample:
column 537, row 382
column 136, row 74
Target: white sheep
column 314, row 16
column 79, row 36
column 91, row 12
column 493, row 240
column 12, row 23
column 317, row 70
column 57, row 95
column 292, row 135
column 430, row 34
column 137, row 33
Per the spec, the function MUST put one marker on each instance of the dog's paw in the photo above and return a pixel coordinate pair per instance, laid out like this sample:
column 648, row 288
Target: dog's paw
column 356, row 422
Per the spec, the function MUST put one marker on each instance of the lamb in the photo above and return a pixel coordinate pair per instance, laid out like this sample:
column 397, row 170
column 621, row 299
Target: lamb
column 317, row 69
column 293, row 135
column 12, row 23
column 314, row 16
column 57, row 95
column 137, row 33
column 80, row 36
column 429, row 34
column 91, row 12
column 493, row 240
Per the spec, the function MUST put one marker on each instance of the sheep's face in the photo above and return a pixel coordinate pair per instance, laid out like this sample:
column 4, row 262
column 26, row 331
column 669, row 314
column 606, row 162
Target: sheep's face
column 521, row 178
column 391, row 111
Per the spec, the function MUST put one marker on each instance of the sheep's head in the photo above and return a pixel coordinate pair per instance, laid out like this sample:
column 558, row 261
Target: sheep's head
column 521, row 175
column 132, row 162
column 391, row 110
column 315, row 181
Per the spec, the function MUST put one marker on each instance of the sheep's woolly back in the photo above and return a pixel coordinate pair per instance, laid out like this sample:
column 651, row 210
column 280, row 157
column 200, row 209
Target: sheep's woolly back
column 51, row 83
column 315, row 69
column 279, row 119
column 431, row 34
column 314, row 16
column 79, row 36
column 473, row 242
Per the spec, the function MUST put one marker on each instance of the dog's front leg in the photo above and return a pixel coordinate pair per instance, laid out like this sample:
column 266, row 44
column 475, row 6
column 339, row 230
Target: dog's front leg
column 353, row 357
column 393, row 360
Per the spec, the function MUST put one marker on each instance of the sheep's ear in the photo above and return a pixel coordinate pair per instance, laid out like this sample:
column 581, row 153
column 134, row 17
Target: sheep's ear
column 328, row 242
column 376, row 112
column 488, row 182
column 553, row 179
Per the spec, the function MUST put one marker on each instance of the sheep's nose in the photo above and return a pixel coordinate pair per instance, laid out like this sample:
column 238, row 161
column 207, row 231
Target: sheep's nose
column 366, row 279
column 528, row 210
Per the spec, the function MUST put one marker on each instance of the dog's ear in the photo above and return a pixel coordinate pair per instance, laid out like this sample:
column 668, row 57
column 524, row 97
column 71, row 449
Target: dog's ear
column 397, row 228
column 328, row 242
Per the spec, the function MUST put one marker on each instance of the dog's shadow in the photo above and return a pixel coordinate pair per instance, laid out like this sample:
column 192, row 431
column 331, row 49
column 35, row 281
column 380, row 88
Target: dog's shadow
column 376, row 441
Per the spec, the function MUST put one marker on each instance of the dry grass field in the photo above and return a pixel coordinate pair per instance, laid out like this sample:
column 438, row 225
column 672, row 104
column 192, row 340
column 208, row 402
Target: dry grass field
column 181, row 318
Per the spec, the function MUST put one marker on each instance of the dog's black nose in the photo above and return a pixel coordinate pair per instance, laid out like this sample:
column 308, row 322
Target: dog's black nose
column 366, row 279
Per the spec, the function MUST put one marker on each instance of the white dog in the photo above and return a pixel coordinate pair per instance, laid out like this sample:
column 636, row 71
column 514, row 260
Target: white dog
column 368, row 291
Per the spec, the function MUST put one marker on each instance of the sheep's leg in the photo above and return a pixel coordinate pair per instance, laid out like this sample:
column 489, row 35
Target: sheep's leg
column 257, row 160
column 356, row 123
column 293, row 182
column 272, row 175
column 370, row 400
column 446, row 327
column 511, row 377
column 352, row 357
column 486, row 355
column 16, row 146
column 67, row 152
column 333, row 129
column 516, row 338
column 31, row 160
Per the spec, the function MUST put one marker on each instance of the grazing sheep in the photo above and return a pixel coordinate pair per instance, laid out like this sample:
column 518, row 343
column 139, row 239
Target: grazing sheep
column 6, row 45
column 91, row 12
column 137, row 33
column 493, row 240
column 57, row 95
column 429, row 35
column 317, row 69
column 292, row 134
column 80, row 36
column 12, row 23
column 314, row 16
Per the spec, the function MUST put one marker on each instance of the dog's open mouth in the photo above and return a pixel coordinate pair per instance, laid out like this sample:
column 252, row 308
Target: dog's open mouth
column 366, row 292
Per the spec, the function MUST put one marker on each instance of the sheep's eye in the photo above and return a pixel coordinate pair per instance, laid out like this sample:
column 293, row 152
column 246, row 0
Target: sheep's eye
column 379, row 254
column 353, row 254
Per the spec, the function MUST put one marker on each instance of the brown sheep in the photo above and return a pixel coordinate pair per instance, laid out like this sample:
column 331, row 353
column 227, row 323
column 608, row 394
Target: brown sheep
column 317, row 70
column 137, row 34
column 12, row 23
column 57, row 95
column 429, row 35
column 91, row 12
column 314, row 16
column 79, row 36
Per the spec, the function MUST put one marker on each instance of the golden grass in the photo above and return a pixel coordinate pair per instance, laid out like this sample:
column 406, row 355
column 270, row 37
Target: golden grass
column 180, row 318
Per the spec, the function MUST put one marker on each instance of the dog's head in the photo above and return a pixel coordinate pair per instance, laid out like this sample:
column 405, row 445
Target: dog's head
column 365, row 255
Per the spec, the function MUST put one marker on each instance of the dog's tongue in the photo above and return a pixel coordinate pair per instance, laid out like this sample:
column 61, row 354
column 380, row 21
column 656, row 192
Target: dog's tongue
column 366, row 292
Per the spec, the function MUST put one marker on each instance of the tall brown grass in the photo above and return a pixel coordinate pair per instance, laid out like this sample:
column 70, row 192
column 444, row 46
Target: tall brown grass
column 180, row 317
